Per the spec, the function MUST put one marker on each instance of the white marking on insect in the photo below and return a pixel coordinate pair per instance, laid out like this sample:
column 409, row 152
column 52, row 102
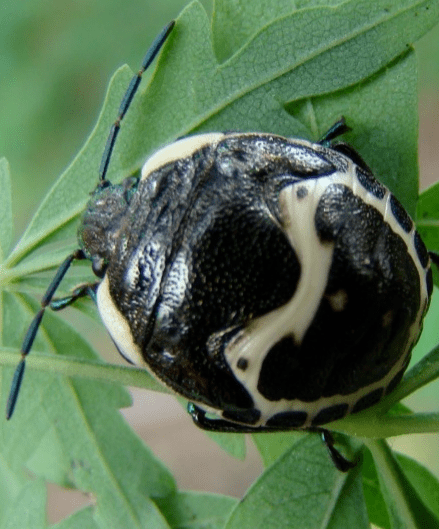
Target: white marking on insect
column 179, row 150
column 117, row 325
column 338, row 300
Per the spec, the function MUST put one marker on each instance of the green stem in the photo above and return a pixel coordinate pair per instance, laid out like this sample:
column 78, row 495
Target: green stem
column 424, row 372
column 68, row 366
column 404, row 505
column 373, row 425
column 390, row 475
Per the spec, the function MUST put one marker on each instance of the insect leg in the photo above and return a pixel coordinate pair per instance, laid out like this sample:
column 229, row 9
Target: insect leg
column 33, row 329
column 220, row 425
column 340, row 462
column 216, row 425
column 81, row 291
column 336, row 130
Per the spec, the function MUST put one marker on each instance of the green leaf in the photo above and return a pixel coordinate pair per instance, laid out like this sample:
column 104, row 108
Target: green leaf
column 428, row 215
column 376, row 120
column 350, row 510
column 376, row 505
column 425, row 484
column 271, row 446
column 247, row 17
column 233, row 444
column 56, row 218
column 302, row 489
column 404, row 505
column 6, row 226
column 81, row 519
column 253, row 88
column 196, row 510
column 422, row 373
column 250, row 91
column 423, row 481
column 87, row 444
column 28, row 508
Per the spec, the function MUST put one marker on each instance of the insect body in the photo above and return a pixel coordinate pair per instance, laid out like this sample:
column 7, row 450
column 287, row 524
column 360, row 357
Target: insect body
column 272, row 281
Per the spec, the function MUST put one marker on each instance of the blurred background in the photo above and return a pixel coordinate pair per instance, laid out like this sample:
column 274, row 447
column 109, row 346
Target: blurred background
column 56, row 59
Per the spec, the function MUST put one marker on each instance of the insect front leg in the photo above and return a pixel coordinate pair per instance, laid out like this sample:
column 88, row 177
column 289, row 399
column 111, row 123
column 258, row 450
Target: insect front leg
column 81, row 291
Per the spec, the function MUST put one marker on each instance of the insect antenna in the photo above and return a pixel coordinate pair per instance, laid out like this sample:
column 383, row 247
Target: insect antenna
column 128, row 97
column 33, row 328
column 87, row 289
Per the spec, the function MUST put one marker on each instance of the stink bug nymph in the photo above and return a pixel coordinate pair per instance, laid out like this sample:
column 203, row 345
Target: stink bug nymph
column 272, row 281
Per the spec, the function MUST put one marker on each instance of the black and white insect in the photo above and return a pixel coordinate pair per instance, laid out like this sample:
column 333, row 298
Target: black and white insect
column 272, row 281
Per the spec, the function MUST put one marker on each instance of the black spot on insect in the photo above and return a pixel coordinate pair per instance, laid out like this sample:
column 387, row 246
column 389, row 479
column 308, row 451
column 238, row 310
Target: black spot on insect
column 400, row 214
column 395, row 381
column 242, row 364
column 370, row 183
column 332, row 413
column 351, row 153
column 368, row 400
column 301, row 192
column 250, row 416
column 275, row 379
column 421, row 250
column 288, row 419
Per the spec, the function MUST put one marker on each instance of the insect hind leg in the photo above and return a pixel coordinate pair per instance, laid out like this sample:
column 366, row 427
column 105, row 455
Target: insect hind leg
column 335, row 131
column 220, row 425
